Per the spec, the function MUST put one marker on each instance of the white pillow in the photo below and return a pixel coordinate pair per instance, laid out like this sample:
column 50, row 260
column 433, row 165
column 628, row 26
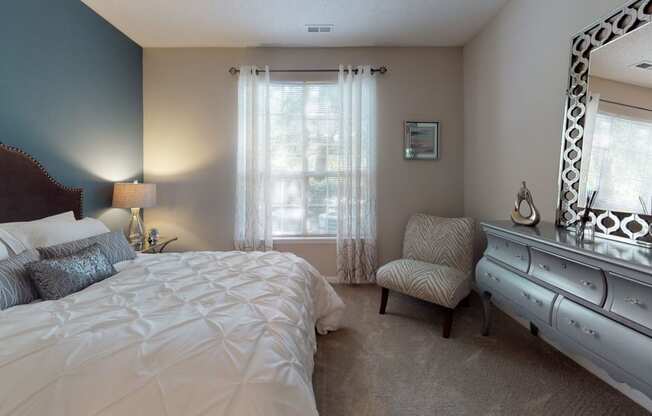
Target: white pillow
column 64, row 216
column 20, row 237
column 9, row 244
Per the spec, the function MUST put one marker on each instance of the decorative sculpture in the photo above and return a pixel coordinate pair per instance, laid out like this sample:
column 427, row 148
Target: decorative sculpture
column 153, row 236
column 524, row 195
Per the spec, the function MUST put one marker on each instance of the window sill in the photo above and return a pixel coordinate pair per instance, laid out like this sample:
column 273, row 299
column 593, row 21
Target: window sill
column 305, row 240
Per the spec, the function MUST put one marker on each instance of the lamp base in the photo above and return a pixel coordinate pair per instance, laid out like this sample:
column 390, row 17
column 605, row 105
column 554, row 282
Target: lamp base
column 136, row 233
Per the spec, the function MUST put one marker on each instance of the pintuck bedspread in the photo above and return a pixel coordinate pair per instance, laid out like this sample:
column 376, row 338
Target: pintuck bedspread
column 200, row 333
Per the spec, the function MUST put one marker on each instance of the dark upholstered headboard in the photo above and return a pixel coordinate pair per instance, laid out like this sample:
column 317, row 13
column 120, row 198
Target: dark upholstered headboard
column 28, row 192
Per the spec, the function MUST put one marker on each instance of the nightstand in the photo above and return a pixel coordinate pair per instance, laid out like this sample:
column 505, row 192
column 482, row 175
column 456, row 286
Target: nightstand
column 157, row 247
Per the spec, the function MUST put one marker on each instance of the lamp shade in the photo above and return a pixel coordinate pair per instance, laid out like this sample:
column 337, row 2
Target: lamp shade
column 134, row 195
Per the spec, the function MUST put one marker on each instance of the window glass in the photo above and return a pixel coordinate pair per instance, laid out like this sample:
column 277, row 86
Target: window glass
column 304, row 145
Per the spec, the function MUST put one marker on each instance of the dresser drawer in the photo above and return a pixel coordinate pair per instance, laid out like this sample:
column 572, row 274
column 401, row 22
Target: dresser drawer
column 630, row 300
column 581, row 280
column 533, row 298
column 509, row 252
column 612, row 341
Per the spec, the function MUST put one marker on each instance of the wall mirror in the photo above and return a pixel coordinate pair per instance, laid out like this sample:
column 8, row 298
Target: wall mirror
column 607, row 137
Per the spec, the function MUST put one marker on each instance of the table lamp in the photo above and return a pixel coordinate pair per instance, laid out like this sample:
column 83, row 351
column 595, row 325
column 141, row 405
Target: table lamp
column 134, row 196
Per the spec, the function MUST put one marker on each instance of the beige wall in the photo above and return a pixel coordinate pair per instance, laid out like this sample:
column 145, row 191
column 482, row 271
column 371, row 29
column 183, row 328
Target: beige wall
column 621, row 92
column 515, row 74
column 190, row 138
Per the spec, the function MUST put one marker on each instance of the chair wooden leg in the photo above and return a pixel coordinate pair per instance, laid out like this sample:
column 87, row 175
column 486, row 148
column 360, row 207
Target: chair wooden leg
column 486, row 316
column 384, row 294
column 448, row 322
column 465, row 303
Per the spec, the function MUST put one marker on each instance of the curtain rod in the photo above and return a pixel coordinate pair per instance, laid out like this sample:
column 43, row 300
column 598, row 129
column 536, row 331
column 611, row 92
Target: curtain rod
column 381, row 70
column 626, row 105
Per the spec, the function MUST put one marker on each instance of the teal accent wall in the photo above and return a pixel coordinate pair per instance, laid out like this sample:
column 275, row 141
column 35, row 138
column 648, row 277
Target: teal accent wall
column 71, row 95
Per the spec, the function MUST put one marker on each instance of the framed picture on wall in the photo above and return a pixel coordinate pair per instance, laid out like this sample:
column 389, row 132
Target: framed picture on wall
column 421, row 140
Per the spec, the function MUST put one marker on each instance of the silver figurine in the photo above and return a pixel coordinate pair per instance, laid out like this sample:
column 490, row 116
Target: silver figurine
column 524, row 195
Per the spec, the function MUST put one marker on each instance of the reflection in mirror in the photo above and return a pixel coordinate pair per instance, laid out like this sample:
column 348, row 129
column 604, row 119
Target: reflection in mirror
column 617, row 148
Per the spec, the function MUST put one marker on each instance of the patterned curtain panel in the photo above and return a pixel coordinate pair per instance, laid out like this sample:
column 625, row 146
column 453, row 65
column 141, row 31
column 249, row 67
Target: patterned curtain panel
column 253, row 228
column 356, row 206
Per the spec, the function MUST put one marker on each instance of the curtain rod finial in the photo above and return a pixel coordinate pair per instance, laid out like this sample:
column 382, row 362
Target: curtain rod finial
column 233, row 71
column 382, row 69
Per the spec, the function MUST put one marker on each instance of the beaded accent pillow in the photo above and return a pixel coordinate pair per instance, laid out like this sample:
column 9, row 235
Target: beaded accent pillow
column 59, row 277
column 114, row 245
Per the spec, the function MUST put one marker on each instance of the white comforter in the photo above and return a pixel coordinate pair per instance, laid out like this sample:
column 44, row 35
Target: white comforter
column 202, row 333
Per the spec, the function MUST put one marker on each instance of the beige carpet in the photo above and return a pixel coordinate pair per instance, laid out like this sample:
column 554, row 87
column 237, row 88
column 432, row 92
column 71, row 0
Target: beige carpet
column 398, row 365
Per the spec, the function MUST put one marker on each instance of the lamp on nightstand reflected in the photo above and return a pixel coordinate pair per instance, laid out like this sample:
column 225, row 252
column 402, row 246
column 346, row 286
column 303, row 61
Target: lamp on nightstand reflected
column 134, row 196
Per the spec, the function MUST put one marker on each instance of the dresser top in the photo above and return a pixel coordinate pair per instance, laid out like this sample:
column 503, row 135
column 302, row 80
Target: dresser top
column 622, row 254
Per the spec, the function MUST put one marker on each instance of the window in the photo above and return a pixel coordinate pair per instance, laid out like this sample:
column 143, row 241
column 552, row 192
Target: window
column 619, row 146
column 304, row 122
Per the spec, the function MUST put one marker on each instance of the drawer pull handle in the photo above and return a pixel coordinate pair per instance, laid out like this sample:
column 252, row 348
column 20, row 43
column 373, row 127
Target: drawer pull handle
column 586, row 283
column 492, row 277
column 530, row 298
column 589, row 331
column 544, row 267
column 632, row 301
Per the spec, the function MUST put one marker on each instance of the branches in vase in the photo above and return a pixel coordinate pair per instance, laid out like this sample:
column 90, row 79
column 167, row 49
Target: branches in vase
column 586, row 217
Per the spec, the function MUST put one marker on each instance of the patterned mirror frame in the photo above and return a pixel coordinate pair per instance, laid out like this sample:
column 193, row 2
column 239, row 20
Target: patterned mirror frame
column 624, row 226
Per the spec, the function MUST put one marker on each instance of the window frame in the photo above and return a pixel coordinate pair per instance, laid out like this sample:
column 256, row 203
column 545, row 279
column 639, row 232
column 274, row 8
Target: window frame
column 304, row 176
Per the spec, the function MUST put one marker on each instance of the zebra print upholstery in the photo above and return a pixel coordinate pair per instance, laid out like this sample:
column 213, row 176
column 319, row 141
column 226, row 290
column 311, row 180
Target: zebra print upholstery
column 437, row 260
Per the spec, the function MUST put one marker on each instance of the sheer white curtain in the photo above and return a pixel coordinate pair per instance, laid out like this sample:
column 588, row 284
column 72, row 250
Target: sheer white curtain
column 253, row 226
column 622, row 139
column 356, row 206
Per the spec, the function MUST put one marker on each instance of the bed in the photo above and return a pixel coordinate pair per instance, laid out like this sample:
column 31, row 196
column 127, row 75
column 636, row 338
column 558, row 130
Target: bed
column 195, row 333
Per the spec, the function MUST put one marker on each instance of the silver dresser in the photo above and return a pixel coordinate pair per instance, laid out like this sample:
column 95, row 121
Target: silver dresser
column 593, row 301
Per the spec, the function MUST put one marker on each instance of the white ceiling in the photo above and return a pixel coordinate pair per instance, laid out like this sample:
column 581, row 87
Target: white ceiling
column 239, row 23
column 614, row 60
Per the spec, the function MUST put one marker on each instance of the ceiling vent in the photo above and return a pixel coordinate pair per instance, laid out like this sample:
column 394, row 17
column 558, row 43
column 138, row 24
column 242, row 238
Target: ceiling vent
column 644, row 65
column 320, row 28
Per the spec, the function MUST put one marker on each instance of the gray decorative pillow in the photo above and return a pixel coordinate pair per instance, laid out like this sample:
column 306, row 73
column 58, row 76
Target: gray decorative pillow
column 114, row 245
column 56, row 278
column 15, row 286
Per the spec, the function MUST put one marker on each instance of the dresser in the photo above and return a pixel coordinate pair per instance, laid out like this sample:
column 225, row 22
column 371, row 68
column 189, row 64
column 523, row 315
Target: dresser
column 593, row 301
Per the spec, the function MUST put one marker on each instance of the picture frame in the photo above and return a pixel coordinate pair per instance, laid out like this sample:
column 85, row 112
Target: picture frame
column 421, row 141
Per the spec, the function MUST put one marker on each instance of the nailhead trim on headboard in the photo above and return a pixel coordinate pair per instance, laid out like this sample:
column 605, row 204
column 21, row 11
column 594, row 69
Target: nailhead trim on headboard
column 76, row 201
